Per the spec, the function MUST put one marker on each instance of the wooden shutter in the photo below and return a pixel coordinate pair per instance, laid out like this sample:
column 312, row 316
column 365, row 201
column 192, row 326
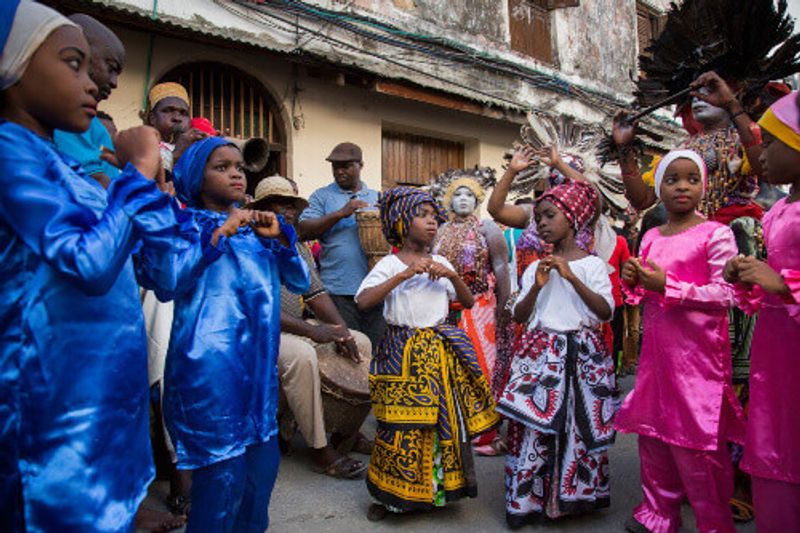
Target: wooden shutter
column 529, row 24
column 409, row 159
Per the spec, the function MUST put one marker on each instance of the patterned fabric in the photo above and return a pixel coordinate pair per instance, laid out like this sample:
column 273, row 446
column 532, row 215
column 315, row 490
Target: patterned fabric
column 399, row 205
column 561, row 398
column 552, row 367
column 426, row 384
column 462, row 242
column 576, row 199
column 730, row 181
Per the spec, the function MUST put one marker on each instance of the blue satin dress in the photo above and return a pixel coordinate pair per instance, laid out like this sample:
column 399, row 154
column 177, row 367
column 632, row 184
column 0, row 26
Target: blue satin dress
column 73, row 364
column 220, row 379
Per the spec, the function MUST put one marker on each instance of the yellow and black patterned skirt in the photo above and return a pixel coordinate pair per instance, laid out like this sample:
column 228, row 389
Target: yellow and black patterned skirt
column 430, row 399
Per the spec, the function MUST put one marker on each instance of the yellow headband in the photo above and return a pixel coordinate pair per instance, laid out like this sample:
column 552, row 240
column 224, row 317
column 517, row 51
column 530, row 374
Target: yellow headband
column 468, row 182
column 167, row 90
column 771, row 123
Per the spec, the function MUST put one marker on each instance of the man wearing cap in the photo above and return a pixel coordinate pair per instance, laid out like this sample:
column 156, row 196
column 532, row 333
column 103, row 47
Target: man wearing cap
column 169, row 113
column 330, row 219
column 105, row 66
column 300, row 339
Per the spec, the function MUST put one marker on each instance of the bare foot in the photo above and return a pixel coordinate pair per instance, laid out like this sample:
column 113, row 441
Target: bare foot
column 157, row 521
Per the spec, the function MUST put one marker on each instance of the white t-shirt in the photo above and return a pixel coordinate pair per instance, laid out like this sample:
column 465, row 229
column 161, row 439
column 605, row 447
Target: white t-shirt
column 417, row 302
column 558, row 306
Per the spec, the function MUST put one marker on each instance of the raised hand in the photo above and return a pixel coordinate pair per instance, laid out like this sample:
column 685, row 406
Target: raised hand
column 714, row 90
column 523, row 157
column 622, row 131
column 549, row 155
column 138, row 146
column 265, row 224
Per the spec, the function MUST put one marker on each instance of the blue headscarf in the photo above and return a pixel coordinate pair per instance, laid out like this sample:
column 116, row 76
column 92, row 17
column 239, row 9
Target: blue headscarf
column 399, row 205
column 189, row 170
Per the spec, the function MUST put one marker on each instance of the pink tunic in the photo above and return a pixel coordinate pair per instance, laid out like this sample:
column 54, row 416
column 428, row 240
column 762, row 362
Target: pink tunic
column 683, row 394
column 773, row 429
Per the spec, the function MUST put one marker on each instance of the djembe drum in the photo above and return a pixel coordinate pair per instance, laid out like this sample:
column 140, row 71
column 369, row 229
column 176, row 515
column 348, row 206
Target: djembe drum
column 345, row 390
column 372, row 240
column 345, row 395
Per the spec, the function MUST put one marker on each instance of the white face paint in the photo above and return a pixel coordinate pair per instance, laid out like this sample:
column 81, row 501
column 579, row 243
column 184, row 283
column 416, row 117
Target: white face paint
column 464, row 202
column 707, row 114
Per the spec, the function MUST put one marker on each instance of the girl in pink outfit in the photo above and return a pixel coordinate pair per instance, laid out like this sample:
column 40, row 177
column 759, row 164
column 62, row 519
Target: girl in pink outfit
column 683, row 406
column 773, row 288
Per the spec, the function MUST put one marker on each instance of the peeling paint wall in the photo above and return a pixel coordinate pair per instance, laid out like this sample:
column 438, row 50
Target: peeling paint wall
column 597, row 40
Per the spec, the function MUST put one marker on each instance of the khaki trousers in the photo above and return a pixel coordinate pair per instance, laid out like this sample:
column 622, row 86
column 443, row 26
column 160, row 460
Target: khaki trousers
column 298, row 372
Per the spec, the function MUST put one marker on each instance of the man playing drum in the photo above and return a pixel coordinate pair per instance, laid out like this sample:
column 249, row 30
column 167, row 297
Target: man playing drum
column 330, row 218
column 324, row 343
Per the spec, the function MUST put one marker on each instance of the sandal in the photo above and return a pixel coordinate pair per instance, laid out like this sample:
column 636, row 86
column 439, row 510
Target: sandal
column 741, row 510
column 357, row 443
column 342, row 468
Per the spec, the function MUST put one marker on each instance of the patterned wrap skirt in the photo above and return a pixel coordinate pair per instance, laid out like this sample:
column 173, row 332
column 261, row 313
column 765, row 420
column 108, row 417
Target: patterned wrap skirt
column 560, row 399
column 430, row 398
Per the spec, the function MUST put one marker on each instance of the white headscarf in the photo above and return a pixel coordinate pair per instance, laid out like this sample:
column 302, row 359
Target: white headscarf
column 32, row 24
column 679, row 154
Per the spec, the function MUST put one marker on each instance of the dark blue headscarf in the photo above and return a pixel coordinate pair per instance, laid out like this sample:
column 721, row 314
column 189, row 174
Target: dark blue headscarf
column 189, row 170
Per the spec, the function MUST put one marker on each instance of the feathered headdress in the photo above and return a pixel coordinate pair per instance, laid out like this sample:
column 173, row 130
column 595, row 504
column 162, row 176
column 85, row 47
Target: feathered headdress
column 578, row 145
column 484, row 177
column 747, row 42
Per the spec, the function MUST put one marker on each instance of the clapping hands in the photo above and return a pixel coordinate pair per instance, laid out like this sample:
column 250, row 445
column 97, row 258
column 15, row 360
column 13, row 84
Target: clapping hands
column 651, row 277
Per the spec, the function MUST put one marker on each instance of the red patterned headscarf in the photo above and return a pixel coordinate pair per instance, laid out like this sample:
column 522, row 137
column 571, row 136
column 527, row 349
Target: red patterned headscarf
column 576, row 199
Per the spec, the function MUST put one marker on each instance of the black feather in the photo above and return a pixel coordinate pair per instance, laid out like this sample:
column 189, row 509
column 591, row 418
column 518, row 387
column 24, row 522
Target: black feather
column 749, row 42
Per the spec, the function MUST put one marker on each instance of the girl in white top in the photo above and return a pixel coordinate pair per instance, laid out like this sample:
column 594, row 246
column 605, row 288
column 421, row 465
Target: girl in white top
column 561, row 394
column 428, row 392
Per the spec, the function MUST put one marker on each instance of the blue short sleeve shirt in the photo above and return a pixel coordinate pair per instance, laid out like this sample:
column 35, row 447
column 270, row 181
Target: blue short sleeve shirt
column 343, row 263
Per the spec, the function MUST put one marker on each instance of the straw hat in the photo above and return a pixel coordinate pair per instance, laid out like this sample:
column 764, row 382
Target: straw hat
column 276, row 187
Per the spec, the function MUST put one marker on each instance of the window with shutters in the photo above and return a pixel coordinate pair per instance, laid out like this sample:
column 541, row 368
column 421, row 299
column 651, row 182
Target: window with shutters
column 649, row 24
column 529, row 25
column 409, row 159
column 237, row 105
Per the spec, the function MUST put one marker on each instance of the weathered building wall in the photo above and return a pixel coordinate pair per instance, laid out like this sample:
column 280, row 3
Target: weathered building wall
column 331, row 113
column 597, row 41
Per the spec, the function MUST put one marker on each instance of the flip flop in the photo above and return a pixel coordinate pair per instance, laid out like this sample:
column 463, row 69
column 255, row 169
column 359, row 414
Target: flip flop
column 342, row 468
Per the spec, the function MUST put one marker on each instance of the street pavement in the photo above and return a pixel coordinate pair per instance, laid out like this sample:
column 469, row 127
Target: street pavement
column 306, row 502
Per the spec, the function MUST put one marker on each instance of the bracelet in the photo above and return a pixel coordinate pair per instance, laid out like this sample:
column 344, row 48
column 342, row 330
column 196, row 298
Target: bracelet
column 740, row 112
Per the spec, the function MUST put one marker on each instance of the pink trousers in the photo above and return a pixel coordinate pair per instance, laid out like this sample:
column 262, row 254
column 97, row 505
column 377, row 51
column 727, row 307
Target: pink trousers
column 669, row 473
column 777, row 505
